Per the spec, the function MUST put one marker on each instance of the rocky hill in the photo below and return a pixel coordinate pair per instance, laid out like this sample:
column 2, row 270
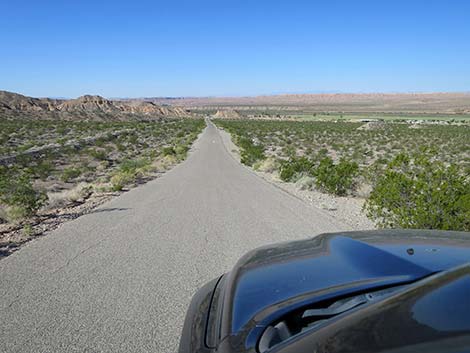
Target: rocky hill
column 15, row 101
column 88, row 103
column 88, row 107
column 227, row 114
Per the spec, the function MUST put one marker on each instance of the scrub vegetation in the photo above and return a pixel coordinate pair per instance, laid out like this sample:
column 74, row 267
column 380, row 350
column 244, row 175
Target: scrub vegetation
column 415, row 175
column 50, row 164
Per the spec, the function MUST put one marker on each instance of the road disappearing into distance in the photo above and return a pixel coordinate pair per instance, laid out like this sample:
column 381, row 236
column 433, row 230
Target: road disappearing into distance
column 120, row 278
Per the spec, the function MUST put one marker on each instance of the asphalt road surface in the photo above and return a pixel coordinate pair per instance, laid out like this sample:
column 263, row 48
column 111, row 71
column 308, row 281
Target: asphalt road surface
column 120, row 279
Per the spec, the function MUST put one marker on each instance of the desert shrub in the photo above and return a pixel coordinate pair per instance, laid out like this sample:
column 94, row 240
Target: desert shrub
column 164, row 163
column 305, row 182
column 18, row 194
column 121, row 179
column 70, row 173
column 420, row 193
column 338, row 179
column 14, row 214
column 23, row 160
column 128, row 172
column 168, row 151
column 295, row 167
column 27, row 230
column 62, row 198
column 120, row 147
column 131, row 165
column 249, row 152
column 43, row 169
column 181, row 151
column 97, row 154
column 133, row 138
column 61, row 141
column 268, row 165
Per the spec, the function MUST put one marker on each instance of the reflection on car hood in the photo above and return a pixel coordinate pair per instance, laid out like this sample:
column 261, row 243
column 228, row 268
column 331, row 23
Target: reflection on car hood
column 271, row 278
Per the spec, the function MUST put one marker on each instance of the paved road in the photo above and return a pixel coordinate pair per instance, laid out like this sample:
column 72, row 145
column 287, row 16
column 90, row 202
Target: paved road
column 120, row 278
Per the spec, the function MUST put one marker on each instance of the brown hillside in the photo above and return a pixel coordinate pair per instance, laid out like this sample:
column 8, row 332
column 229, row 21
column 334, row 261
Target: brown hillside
column 87, row 107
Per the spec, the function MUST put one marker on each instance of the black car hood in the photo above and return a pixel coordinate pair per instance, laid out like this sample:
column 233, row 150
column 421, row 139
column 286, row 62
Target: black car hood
column 272, row 280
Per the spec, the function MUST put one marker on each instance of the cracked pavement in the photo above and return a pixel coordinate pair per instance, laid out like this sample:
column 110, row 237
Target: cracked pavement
column 120, row 279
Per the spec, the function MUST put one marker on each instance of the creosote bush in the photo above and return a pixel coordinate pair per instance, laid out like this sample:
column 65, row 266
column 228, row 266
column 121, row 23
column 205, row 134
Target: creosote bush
column 420, row 193
column 168, row 151
column 70, row 173
column 296, row 167
column 249, row 152
column 18, row 194
column 337, row 179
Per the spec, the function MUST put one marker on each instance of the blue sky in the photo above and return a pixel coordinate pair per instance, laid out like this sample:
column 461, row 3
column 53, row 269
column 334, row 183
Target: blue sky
column 200, row 48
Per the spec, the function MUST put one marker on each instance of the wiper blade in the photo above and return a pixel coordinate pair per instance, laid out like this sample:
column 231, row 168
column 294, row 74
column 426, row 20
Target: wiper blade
column 336, row 308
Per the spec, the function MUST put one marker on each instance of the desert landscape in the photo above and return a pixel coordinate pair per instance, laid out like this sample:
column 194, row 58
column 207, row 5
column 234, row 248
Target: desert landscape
column 96, row 177
column 234, row 176
column 62, row 158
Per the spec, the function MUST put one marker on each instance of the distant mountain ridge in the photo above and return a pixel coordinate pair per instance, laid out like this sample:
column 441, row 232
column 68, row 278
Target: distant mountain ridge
column 93, row 107
column 439, row 102
column 87, row 107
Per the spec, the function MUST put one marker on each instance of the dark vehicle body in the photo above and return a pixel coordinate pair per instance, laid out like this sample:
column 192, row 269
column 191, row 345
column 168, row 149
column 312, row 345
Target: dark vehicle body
column 373, row 291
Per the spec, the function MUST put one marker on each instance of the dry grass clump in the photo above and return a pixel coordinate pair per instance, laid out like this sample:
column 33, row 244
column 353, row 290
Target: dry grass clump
column 268, row 165
column 13, row 214
column 65, row 197
column 305, row 183
column 164, row 163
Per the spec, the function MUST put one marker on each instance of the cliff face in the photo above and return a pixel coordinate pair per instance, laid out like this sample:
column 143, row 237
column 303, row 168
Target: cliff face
column 89, row 107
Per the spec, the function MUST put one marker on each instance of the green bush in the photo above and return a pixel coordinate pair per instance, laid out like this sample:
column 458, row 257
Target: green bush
column 420, row 193
column 168, row 151
column 43, row 169
column 249, row 152
column 181, row 151
column 17, row 192
column 295, row 167
column 70, row 173
column 131, row 165
column 336, row 179
column 98, row 154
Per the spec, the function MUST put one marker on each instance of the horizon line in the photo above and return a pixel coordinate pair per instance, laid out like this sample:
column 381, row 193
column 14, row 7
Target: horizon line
column 215, row 96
